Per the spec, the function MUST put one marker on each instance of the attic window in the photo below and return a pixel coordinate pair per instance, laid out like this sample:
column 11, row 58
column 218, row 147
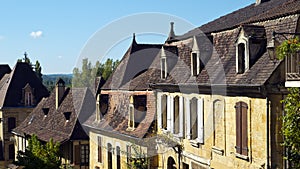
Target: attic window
column 241, row 58
column 45, row 111
column 163, row 67
column 28, row 98
column 102, row 105
column 67, row 116
column 131, row 114
column 163, row 63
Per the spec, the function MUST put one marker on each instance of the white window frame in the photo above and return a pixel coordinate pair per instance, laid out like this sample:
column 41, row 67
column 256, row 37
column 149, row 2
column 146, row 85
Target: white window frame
column 242, row 40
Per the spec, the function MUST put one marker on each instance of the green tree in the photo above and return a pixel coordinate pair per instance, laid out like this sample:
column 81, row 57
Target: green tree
column 85, row 77
column 138, row 159
column 291, row 126
column 39, row 156
column 37, row 66
column 291, row 120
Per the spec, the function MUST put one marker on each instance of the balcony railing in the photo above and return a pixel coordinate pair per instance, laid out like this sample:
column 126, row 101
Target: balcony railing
column 293, row 67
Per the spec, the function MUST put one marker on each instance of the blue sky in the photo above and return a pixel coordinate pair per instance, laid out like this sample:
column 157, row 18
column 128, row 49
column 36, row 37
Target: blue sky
column 55, row 32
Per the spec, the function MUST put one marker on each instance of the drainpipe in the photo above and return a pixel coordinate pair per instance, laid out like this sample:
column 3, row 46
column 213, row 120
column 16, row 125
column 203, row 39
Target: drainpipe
column 268, row 128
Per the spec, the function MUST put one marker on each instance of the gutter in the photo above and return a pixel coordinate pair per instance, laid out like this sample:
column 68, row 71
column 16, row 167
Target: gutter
column 268, row 132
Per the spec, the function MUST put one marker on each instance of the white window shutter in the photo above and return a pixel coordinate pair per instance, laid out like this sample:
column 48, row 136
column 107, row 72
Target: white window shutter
column 181, row 122
column 200, row 113
column 172, row 114
column 168, row 113
column 159, row 112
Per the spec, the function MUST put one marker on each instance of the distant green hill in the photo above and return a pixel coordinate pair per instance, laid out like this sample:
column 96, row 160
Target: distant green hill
column 50, row 80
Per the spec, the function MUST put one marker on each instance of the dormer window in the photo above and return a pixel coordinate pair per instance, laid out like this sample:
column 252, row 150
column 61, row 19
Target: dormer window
column 28, row 97
column 131, row 114
column 67, row 116
column 196, row 63
column 163, row 63
column 45, row 111
column 250, row 46
column 241, row 58
column 137, row 110
column 102, row 105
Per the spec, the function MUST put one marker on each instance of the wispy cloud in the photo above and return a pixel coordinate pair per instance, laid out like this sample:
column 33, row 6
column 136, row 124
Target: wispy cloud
column 59, row 57
column 36, row 34
column 1, row 37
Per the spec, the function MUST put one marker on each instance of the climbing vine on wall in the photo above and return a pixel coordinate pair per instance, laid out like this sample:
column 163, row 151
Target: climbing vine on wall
column 291, row 120
column 287, row 47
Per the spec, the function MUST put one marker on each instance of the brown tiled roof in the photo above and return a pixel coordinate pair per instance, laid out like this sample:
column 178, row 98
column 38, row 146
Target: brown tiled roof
column 54, row 125
column 11, row 86
column 251, row 13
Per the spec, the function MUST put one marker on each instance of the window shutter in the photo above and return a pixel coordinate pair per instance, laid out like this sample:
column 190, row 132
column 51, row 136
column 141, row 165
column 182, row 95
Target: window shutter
column 181, row 116
column 99, row 150
column 187, row 118
column 200, row 113
column 77, row 154
column 238, row 128
column 244, row 125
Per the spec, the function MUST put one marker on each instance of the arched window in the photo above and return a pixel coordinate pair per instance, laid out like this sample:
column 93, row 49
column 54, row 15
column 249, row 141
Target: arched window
column 11, row 123
column 109, row 156
column 218, row 123
column 118, row 157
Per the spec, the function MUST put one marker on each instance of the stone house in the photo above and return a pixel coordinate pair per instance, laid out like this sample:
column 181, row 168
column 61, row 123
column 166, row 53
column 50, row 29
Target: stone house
column 123, row 126
column 59, row 117
column 20, row 92
column 221, row 102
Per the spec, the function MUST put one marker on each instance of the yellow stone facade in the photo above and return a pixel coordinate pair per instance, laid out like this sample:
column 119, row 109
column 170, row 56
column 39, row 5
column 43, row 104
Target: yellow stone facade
column 218, row 150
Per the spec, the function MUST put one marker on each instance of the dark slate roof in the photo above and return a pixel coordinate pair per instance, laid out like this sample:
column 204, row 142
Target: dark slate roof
column 4, row 69
column 54, row 125
column 11, row 85
column 136, row 69
column 249, row 14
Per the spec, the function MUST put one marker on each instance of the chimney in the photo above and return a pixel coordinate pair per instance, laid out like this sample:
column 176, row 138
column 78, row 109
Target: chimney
column 59, row 90
column 172, row 36
column 258, row 2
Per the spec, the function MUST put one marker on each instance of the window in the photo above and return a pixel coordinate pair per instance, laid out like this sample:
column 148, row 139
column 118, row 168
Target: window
column 164, row 112
column 194, row 119
column 104, row 104
column 131, row 113
column 163, row 63
column 241, row 109
column 218, row 124
column 84, row 154
column 28, row 98
column 118, row 157
column 163, row 68
column 241, row 58
column 196, row 124
column 45, row 111
column 109, row 156
column 11, row 151
column 128, row 149
column 67, row 116
column 140, row 109
column 11, row 123
column 194, row 64
column 99, row 149
column 176, row 115
column 137, row 110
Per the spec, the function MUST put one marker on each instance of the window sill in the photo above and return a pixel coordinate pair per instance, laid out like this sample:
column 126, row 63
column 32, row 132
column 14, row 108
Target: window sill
column 195, row 143
column 241, row 156
column 217, row 150
column 129, row 129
